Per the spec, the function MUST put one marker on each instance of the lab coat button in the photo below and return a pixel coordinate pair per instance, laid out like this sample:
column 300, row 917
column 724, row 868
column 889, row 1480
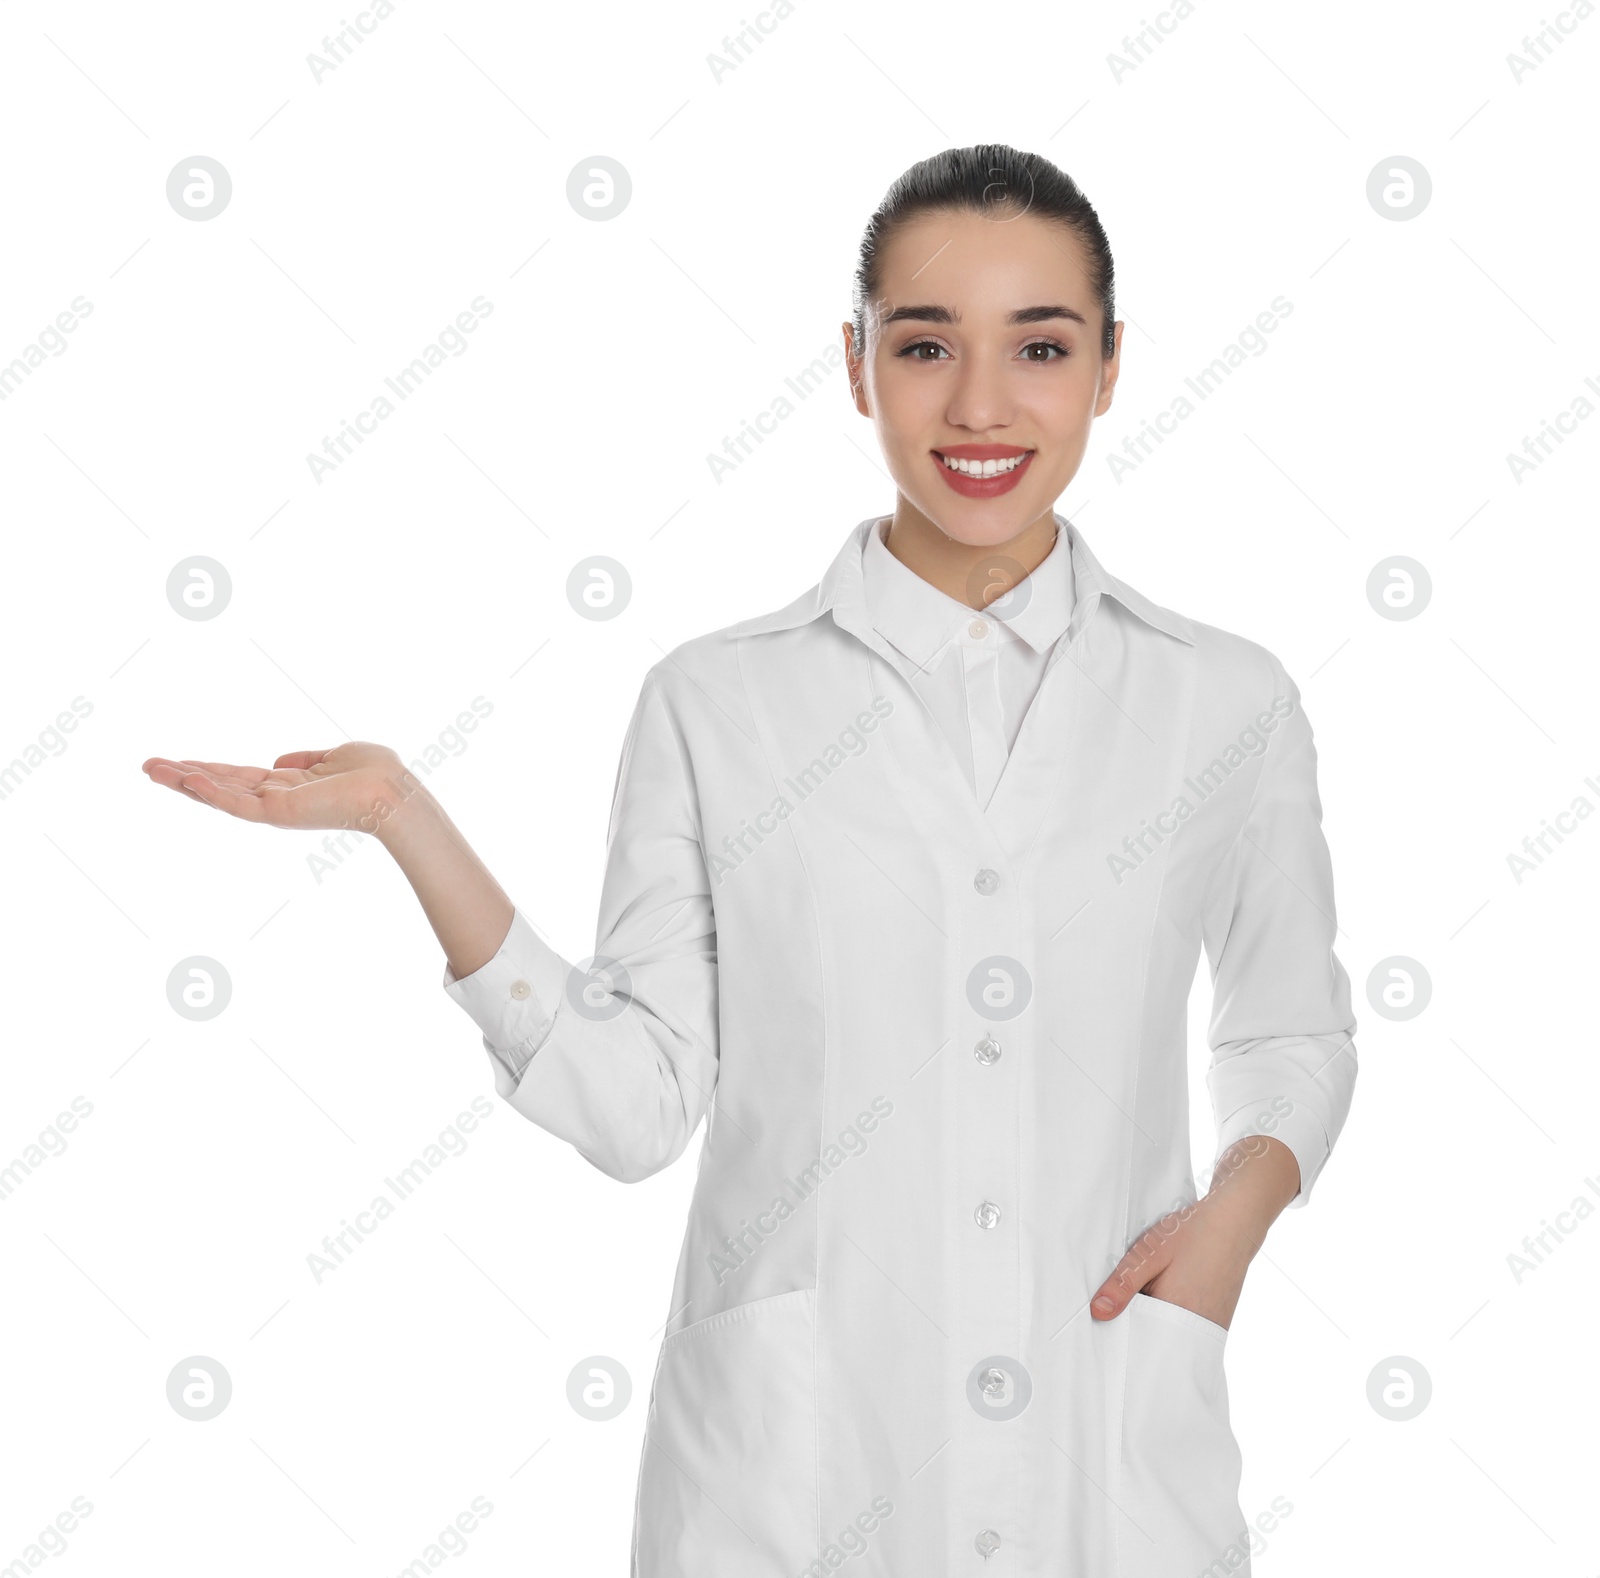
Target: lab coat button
column 987, row 1050
column 986, row 881
column 978, row 629
column 987, row 1214
column 987, row 1543
column 521, row 989
column 999, row 1387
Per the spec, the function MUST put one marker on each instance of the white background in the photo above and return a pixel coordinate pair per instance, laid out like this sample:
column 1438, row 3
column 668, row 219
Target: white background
column 370, row 208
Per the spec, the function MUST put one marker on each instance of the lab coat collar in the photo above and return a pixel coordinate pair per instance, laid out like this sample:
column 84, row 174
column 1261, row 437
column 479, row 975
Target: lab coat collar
column 840, row 591
column 921, row 621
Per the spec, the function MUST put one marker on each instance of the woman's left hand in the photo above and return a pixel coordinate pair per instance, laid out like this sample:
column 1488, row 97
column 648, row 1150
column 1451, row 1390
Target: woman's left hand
column 1197, row 1257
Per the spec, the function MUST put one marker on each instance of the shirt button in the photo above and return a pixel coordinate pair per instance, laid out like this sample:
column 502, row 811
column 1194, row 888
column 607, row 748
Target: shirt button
column 987, row 1050
column 521, row 989
column 987, row 1543
column 978, row 629
column 987, row 1214
column 999, row 1387
column 986, row 881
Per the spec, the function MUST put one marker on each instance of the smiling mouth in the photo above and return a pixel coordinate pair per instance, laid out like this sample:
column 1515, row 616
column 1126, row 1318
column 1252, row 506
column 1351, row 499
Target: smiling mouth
column 982, row 471
column 981, row 466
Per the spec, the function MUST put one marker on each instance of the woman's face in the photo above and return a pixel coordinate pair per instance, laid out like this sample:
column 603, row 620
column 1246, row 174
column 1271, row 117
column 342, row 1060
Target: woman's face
column 949, row 371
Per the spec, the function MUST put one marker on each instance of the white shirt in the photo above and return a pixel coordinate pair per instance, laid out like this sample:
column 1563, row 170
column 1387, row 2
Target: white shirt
column 977, row 672
column 940, row 1049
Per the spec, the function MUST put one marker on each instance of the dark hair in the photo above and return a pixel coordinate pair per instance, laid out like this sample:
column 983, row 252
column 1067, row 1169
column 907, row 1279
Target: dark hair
column 988, row 178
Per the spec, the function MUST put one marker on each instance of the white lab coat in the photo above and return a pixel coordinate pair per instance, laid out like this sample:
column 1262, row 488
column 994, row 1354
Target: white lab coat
column 942, row 1049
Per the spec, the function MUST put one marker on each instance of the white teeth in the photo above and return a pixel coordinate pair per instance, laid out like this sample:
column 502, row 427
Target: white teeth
column 984, row 468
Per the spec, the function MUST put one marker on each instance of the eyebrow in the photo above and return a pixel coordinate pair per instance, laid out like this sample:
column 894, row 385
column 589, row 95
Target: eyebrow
column 936, row 314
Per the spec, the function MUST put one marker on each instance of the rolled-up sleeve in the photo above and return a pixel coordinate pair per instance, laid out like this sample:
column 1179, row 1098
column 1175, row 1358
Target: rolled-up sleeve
column 617, row 1054
column 507, row 997
column 1283, row 1058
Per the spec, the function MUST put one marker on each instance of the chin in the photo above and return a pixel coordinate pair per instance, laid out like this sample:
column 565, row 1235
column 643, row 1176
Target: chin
column 981, row 523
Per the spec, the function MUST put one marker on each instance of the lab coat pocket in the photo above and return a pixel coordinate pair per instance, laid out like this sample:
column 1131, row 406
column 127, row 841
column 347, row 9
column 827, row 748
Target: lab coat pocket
column 728, row 1475
column 1187, row 1316
column 1180, row 1464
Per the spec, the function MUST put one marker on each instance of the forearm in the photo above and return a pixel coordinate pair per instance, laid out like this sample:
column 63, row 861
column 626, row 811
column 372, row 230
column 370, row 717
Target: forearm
column 1254, row 1180
column 469, row 911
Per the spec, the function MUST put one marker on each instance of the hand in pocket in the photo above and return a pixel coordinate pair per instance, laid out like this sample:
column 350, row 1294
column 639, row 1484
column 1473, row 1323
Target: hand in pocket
column 1194, row 1258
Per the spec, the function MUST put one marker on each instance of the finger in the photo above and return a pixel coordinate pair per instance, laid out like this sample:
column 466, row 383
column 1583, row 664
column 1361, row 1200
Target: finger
column 247, row 807
column 167, row 773
column 225, row 775
column 218, row 770
column 228, row 772
column 1136, row 1268
column 243, row 780
column 302, row 759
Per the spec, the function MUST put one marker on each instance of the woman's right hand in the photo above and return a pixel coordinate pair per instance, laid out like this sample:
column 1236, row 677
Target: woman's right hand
column 355, row 785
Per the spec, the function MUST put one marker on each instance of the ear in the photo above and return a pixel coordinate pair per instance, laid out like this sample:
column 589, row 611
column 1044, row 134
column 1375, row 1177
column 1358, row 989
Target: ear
column 1109, row 370
column 855, row 370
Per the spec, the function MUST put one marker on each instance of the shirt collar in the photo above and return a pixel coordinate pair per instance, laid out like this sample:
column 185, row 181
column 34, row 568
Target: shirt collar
column 916, row 617
column 842, row 592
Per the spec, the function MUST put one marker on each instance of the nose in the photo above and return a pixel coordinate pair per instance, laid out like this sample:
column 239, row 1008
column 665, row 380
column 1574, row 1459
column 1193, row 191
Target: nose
column 981, row 397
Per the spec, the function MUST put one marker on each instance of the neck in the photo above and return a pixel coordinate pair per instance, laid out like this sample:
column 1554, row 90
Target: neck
column 974, row 575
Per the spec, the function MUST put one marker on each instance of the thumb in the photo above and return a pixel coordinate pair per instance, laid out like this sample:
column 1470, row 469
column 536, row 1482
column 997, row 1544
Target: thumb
column 1139, row 1266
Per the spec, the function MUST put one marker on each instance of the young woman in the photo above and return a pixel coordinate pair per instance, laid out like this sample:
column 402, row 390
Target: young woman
column 906, row 887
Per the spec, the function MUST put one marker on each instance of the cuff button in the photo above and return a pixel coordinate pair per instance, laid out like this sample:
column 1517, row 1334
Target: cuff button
column 521, row 989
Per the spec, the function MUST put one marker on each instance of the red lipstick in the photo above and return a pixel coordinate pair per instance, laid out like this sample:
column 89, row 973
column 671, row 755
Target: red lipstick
column 980, row 487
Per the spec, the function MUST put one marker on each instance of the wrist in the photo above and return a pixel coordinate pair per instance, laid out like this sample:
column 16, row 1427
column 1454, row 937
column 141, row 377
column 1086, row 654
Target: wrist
column 1254, row 1180
column 400, row 807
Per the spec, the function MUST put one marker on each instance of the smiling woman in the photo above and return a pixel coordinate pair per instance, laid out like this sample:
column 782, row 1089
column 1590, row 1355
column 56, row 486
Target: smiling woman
column 994, row 1341
column 984, row 343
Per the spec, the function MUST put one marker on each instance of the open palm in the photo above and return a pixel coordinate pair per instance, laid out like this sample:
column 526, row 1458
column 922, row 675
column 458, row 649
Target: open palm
column 352, row 785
